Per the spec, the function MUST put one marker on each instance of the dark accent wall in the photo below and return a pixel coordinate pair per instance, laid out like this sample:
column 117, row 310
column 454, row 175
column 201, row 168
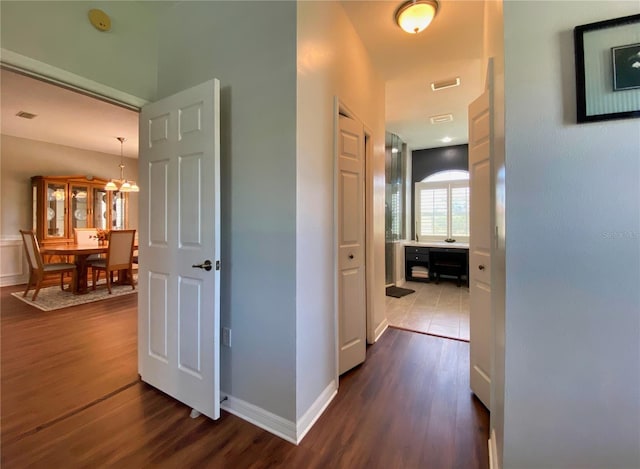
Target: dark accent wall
column 433, row 160
column 427, row 162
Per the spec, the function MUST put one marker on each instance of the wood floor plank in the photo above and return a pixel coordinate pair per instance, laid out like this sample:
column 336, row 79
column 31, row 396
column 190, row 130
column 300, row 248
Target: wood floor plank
column 407, row 406
column 58, row 361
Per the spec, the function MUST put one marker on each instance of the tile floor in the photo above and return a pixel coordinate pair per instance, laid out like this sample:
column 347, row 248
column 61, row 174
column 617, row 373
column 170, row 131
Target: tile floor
column 441, row 310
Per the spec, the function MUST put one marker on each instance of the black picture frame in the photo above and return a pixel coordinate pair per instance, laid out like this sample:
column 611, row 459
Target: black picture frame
column 601, row 92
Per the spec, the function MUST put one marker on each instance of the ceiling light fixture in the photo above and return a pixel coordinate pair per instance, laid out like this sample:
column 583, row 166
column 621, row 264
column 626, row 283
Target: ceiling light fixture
column 125, row 186
column 415, row 15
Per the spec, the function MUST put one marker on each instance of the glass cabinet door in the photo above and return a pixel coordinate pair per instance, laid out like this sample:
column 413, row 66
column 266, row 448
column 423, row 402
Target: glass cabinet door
column 118, row 204
column 100, row 207
column 79, row 207
column 54, row 210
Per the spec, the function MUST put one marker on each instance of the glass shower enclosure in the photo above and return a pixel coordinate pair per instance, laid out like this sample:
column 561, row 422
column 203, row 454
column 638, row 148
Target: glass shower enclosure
column 395, row 170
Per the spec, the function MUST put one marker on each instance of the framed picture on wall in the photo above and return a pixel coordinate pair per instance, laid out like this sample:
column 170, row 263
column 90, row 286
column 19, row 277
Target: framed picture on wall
column 607, row 60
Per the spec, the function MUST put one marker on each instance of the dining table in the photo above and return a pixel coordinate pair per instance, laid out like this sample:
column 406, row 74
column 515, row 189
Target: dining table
column 80, row 253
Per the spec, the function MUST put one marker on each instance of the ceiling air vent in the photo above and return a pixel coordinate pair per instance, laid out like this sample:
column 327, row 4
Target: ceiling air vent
column 441, row 118
column 26, row 115
column 442, row 84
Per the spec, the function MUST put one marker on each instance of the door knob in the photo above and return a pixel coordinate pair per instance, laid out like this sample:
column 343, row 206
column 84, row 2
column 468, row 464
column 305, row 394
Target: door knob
column 206, row 265
column 350, row 256
column 481, row 267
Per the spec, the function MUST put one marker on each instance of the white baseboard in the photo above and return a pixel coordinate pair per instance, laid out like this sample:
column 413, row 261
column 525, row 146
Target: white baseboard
column 380, row 329
column 493, row 451
column 285, row 429
column 315, row 411
column 281, row 427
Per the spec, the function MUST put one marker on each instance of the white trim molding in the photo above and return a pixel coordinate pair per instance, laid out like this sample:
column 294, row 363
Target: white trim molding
column 13, row 264
column 381, row 329
column 281, row 427
column 285, row 429
column 493, row 451
column 44, row 71
column 314, row 412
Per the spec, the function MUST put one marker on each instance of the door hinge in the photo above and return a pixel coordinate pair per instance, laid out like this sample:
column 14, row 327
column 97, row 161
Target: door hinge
column 217, row 265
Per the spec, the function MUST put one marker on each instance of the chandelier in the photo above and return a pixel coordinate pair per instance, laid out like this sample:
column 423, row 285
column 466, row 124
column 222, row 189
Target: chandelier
column 124, row 185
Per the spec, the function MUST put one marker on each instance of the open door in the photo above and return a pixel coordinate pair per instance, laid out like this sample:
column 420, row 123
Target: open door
column 481, row 326
column 179, row 246
column 352, row 303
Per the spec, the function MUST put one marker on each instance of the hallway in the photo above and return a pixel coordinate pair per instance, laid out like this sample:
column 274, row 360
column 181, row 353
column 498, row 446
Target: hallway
column 71, row 398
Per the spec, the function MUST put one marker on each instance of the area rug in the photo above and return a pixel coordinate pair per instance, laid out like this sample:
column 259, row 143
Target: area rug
column 51, row 298
column 398, row 292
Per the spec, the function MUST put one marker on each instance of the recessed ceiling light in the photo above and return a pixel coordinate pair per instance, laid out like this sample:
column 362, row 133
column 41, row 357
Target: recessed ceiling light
column 446, row 139
column 443, row 84
column 26, row 115
column 439, row 119
column 394, row 150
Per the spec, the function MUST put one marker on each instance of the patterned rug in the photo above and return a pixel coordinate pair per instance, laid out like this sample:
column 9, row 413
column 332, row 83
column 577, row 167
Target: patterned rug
column 51, row 298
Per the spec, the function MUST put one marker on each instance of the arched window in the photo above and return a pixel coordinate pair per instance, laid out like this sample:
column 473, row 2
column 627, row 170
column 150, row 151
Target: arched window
column 442, row 206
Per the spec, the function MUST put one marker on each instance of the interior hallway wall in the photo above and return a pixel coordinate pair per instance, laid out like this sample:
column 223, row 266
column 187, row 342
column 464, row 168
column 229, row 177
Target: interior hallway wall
column 332, row 62
column 251, row 48
column 572, row 362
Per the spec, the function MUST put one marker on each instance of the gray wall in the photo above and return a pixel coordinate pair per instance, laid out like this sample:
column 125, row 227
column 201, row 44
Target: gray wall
column 22, row 158
column 572, row 364
column 251, row 48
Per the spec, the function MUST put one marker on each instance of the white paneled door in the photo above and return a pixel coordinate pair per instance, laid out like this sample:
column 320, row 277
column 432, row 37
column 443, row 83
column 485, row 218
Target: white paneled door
column 179, row 239
column 481, row 325
column 352, row 305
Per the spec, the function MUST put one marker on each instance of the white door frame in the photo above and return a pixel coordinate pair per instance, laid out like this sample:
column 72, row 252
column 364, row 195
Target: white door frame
column 65, row 79
column 339, row 107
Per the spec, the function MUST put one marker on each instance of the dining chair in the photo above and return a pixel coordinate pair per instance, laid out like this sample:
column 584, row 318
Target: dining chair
column 38, row 270
column 119, row 258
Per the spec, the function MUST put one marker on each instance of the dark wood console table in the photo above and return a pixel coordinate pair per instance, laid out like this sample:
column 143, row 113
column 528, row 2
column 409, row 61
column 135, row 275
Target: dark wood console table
column 438, row 260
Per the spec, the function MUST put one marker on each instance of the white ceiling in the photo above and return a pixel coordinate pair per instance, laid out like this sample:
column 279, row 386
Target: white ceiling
column 450, row 47
column 65, row 117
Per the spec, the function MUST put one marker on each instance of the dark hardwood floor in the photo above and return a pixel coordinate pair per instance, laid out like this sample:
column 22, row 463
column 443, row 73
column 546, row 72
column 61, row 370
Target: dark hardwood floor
column 71, row 398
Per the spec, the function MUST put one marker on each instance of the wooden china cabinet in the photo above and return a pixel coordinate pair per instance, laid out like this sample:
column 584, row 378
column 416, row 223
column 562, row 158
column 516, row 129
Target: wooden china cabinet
column 62, row 203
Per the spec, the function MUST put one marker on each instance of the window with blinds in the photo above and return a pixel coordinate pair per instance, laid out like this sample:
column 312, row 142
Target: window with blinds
column 442, row 206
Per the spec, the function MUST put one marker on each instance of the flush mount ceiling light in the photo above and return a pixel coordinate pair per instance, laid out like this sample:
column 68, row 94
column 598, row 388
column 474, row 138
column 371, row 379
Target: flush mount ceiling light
column 415, row 15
